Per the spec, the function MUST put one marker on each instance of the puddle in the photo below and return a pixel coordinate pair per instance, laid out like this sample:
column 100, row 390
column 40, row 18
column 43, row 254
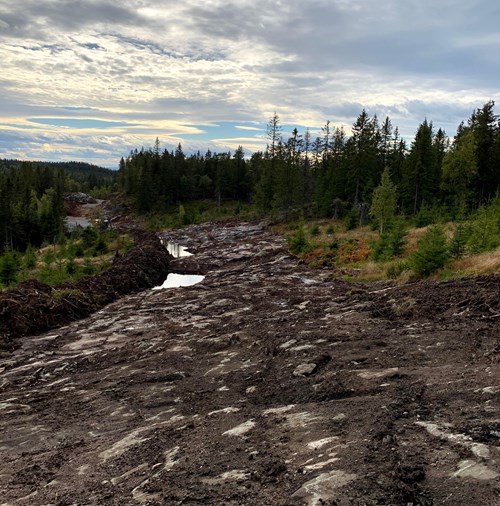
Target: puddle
column 176, row 280
column 176, row 250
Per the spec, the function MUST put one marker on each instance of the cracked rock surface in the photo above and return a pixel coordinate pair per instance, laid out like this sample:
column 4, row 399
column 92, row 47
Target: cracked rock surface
column 267, row 383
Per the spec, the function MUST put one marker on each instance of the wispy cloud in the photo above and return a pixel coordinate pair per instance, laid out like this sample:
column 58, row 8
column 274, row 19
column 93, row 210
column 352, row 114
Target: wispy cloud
column 251, row 128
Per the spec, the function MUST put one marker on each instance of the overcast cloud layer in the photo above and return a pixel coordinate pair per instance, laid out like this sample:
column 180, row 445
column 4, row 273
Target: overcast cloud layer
column 91, row 80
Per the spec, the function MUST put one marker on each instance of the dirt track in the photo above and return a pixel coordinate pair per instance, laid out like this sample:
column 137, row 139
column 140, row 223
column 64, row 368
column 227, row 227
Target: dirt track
column 266, row 384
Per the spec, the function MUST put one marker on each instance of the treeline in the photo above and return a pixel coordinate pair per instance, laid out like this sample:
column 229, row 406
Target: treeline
column 81, row 176
column 332, row 174
column 159, row 180
column 31, row 199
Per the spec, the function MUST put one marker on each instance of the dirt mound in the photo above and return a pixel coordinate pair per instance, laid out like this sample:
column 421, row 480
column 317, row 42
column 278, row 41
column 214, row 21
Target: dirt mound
column 33, row 307
column 470, row 297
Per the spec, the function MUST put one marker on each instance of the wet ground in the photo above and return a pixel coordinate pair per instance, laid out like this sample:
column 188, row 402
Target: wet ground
column 266, row 384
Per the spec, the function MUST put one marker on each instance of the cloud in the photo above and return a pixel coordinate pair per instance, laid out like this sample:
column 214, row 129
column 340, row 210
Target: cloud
column 138, row 69
column 251, row 128
column 32, row 18
column 77, row 123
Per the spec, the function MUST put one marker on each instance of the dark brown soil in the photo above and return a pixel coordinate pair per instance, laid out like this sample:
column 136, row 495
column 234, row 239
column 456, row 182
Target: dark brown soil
column 265, row 384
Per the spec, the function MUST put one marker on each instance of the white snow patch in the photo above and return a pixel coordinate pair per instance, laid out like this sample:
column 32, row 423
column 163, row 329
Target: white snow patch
column 277, row 411
column 472, row 469
column 322, row 488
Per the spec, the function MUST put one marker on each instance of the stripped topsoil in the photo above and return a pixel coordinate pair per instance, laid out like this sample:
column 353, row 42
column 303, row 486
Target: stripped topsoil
column 266, row 384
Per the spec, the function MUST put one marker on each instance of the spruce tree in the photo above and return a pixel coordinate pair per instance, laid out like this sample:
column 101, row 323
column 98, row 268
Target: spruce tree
column 384, row 201
column 460, row 171
column 432, row 252
column 421, row 172
column 485, row 126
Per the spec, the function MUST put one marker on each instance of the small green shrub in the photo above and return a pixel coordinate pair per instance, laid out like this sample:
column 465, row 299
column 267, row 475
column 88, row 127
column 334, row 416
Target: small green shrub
column 432, row 252
column 9, row 268
column 334, row 245
column 424, row 217
column 29, row 259
column 88, row 267
column 49, row 257
column 89, row 237
column 298, row 242
column 100, row 246
column 485, row 229
column 50, row 276
column 79, row 250
column 458, row 243
column 315, row 231
column 380, row 248
column 396, row 269
column 391, row 243
column 351, row 221
column 71, row 267
column 397, row 233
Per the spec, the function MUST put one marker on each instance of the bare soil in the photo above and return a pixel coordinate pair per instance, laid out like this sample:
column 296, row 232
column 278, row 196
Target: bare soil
column 266, row 384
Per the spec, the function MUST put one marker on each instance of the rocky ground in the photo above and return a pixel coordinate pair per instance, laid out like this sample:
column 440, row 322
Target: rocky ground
column 265, row 384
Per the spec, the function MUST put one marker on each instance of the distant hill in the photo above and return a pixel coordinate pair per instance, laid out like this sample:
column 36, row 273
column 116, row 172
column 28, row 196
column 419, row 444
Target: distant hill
column 87, row 173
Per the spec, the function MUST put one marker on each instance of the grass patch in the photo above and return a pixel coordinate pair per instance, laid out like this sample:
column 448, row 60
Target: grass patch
column 484, row 263
column 330, row 244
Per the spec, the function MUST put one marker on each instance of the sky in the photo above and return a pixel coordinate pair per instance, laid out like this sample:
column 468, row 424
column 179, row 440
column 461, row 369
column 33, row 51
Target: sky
column 90, row 80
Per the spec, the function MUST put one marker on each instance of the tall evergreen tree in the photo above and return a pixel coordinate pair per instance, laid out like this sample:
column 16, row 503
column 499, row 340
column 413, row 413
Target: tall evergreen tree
column 485, row 126
column 362, row 152
column 421, row 172
column 460, row 171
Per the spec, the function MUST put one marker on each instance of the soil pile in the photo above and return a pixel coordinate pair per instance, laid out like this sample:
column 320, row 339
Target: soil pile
column 462, row 298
